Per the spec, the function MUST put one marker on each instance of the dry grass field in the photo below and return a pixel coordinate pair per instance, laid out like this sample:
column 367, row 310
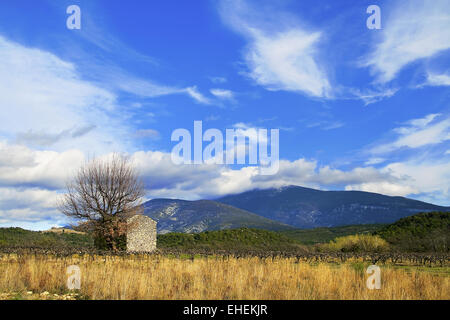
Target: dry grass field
column 162, row 277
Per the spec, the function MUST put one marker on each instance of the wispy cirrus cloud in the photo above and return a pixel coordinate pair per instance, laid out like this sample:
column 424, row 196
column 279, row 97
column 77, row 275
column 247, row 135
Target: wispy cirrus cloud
column 415, row 30
column 326, row 125
column 417, row 133
column 196, row 95
column 116, row 79
column 218, row 80
column 148, row 133
column 436, row 79
column 104, row 59
column 415, row 155
column 45, row 139
column 278, row 56
column 223, row 94
column 369, row 96
column 59, row 108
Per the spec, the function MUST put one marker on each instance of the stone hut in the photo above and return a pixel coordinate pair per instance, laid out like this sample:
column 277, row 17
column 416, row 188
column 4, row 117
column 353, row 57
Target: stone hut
column 141, row 234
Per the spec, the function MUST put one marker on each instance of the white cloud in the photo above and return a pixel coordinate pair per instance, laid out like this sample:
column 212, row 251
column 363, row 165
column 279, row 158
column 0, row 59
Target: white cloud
column 45, row 101
column 418, row 133
column 287, row 62
column 386, row 188
column 28, row 178
column 120, row 80
column 434, row 79
column 46, row 139
column 424, row 174
column 280, row 56
column 164, row 179
column 429, row 176
column 373, row 161
column 222, row 94
column 33, row 208
column 326, row 125
column 428, row 180
column 62, row 110
column 196, row 95
column 414, row 30
column 21, row 166
column 23, row 198
column 372, row 96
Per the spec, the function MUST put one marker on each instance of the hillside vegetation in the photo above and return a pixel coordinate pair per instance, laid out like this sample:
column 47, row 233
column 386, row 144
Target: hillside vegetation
column 17, row 237
column 236, row 239
column 421, row 232
column 425, row 232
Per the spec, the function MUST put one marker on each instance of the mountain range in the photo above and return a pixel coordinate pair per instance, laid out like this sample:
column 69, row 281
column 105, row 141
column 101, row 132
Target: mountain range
column 204, row 215
column 282, row 209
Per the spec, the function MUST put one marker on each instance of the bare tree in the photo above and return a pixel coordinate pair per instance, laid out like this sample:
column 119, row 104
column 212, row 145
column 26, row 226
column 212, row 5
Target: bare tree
column 103, row 195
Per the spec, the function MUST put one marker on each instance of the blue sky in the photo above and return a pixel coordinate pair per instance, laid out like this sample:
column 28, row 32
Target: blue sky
column 357, row 109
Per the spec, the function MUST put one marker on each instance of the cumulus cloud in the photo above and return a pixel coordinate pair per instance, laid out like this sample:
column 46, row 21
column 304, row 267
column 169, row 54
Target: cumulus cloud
column 279, row 56
column 33, row 208
column 415, row 30
column 165, row 179
column 21, row 166
column 386, row 188
column 31, row 180
column 50, row 170
column 429, row 176
column 428, row 180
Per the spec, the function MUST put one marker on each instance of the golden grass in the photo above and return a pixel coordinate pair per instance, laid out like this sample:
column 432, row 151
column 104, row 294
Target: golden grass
column 161, row 277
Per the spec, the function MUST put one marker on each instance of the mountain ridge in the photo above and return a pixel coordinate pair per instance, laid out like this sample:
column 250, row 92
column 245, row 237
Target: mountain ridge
column 303, row 207
column 175, row 215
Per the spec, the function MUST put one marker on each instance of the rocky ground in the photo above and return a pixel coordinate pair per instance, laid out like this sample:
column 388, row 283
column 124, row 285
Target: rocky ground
column 30, row 295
